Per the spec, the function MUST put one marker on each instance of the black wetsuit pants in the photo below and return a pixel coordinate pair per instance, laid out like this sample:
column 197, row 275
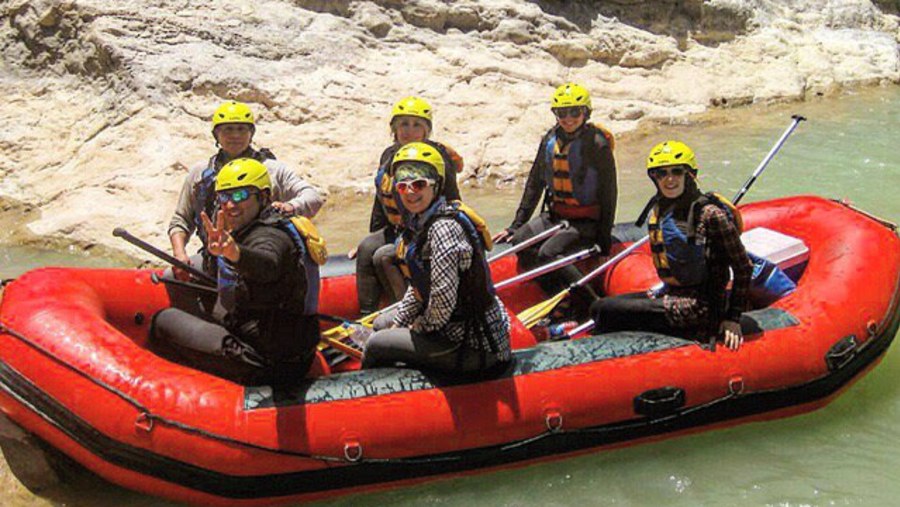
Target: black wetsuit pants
column 581, row 234
column 377, row 272
column 211, row 347
column 632, row 312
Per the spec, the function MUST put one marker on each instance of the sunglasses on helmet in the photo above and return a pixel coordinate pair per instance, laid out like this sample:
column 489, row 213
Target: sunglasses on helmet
column 570, row 112
column 416, row 185
column 236, row 196
column 660, row 173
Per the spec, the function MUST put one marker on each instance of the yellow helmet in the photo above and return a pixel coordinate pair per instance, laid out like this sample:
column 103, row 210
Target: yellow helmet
column 571, row 95
column 420, row 152
column 412, row 106
column 243, row 172
column 671, row 153
column 232, row 112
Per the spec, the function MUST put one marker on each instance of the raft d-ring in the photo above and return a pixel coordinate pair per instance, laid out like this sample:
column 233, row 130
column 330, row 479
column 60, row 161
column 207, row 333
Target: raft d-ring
column 554, row 421
column 872, row 328
column 144, row 422
column 736, row 385
column 353, row 451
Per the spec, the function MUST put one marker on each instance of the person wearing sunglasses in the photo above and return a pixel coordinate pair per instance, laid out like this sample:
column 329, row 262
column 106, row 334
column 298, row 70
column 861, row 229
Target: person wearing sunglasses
column 376, row 270
column 449, row 320
column 264, row 329
column 695, row 242
column 575, row 173
column 233, row 128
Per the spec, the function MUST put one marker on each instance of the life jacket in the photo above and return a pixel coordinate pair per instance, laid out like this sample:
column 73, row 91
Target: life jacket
column 384, row 179
column 680, row 259
column 452, row 159
column 476, row 289
column 310, row 248
column 572, row 181
column 205, row 189
column 384, row 188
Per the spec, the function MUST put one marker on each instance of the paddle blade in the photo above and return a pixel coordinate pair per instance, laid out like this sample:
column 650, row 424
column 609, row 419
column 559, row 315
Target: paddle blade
column 533, row 315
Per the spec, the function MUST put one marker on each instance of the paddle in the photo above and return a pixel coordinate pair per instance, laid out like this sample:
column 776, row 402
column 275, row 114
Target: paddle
column 550, row 266
column 537, row 238
column 156, row 279
column 147, row 247
column 533, row 315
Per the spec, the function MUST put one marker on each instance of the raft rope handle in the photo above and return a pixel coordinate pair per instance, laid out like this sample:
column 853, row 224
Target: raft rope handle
column 149, row 416
column 360, row 460
column 504, row 448
column 887, row 223
column 618, row 427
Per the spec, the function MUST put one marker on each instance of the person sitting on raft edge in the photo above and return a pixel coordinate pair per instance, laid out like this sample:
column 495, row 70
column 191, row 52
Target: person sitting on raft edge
column 233, row 128
column 376, row 269
column 575, row 173
column 449, row 320
column 264, row 329
column 694, row 240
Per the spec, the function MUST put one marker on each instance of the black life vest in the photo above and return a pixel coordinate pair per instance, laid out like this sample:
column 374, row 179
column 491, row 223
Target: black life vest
column 384, row 188
column 679, row 256
column 476, row 289
column 229, row 279
column 571, row 179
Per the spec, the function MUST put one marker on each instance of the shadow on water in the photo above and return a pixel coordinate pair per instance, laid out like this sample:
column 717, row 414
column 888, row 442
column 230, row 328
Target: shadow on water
column 843, row 454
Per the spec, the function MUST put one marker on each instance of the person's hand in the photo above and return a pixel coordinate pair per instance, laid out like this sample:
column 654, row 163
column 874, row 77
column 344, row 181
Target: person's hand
column 284, row 208
column 218, row 240
column 352, row 253
column 731, row 330
column 179, row 273
column 503, row 236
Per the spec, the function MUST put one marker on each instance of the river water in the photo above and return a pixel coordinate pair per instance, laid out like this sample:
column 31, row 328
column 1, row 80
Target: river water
column 844, row 454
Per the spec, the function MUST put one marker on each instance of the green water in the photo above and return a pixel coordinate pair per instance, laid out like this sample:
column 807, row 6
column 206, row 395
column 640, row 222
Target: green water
column 844, row 454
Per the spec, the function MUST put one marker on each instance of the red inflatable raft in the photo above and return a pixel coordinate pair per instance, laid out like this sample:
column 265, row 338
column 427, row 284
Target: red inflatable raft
column 74, row 373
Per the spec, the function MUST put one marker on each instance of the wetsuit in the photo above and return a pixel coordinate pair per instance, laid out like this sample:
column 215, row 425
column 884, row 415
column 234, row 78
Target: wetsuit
column 265, row 330
column 585, row 194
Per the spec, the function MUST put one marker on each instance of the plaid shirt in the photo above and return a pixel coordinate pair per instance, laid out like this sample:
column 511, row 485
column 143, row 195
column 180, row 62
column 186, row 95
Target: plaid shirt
column 687, row 306
column 451, row 255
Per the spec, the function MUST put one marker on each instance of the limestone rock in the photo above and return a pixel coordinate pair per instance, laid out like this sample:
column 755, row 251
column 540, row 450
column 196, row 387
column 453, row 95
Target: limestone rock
column 107, row 100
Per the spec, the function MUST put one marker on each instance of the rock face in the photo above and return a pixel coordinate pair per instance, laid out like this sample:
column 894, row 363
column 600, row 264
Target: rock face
column 108, row 101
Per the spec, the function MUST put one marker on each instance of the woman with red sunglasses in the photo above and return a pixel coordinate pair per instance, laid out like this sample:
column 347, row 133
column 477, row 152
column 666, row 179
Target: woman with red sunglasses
column 695, row 242
column 575, row 173
column 449, row 320
column 376, row 270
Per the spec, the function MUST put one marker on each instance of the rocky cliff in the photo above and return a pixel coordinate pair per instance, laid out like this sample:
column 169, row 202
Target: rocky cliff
column 107, row 101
